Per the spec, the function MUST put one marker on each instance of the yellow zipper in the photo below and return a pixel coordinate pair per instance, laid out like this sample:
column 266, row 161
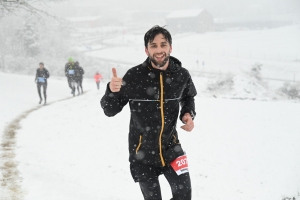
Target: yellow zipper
column 175, row 140
column 140, row 143
column 162, row 118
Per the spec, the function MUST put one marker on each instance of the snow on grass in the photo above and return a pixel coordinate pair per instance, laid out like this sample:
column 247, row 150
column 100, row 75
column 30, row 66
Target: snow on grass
column 238, row 149
column 221, row 52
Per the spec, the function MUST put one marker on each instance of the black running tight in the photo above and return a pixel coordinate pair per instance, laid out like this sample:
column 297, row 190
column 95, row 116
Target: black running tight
column 39, row 85
column 180, row 186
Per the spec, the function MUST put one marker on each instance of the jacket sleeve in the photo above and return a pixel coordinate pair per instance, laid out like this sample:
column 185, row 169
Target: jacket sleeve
column 82, row 71
column 113, row 102
column 47, row 75
column 36, row 75
column 188, row 102
column 66, row 69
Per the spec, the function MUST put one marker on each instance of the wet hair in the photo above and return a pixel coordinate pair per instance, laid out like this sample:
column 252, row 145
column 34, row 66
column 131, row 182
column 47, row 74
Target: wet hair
column 155, row 30
column 41, row 63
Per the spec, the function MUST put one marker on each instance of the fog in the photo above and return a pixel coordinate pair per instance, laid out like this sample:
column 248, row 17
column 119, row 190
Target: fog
column 243, row 56
column 238, row 9
column 209, row 35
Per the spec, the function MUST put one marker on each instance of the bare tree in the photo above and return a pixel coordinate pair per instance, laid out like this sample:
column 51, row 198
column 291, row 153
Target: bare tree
column 22, row 22
column 12, row 6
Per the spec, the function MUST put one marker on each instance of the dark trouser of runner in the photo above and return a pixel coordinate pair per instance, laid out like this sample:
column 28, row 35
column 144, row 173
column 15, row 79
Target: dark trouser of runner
column 180, row 185
column 39, row 85
column 73, row 84
column 98, row 85
column 79, row 84
column 70, row 83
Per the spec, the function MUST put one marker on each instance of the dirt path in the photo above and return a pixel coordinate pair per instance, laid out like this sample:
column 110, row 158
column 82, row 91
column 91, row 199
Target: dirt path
column 11, row 181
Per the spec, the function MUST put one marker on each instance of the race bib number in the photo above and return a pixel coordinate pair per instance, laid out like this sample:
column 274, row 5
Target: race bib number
column 71, row 71
column 41, row 79
column 180, row 165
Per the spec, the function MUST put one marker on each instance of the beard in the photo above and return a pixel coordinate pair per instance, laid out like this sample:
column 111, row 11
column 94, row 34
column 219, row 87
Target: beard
column 160, row 63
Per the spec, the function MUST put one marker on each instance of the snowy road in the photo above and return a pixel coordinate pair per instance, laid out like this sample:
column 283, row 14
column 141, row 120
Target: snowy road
column 69, row 150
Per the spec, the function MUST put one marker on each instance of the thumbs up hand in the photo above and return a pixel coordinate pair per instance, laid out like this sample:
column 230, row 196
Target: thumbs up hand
column 116, row 82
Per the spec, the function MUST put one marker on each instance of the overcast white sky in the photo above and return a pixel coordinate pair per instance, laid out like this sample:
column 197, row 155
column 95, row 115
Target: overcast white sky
column 245, row 9
column 235, row 6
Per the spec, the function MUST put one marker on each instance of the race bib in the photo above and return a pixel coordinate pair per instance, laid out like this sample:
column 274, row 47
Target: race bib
column 180, row 165
column 41, row 79
column 71, row 71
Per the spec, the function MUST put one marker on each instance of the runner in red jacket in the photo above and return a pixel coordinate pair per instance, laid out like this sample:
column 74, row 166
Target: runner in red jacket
column 97, row 78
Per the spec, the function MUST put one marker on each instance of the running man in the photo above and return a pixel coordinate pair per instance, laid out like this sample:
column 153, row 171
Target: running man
column 158, row 91
column 70, row 74
column 79, row 76
column 41, row 77
column 97, row 78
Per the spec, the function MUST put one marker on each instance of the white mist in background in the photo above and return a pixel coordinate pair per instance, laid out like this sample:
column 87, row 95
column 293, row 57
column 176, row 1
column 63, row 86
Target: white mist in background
column 244, row 58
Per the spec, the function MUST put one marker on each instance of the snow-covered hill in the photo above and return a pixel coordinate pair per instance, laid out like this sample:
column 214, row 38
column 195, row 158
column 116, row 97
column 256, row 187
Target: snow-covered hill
column 71, row 150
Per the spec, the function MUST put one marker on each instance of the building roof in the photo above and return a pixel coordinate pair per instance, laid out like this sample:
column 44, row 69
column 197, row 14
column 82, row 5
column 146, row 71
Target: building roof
column 184, row 13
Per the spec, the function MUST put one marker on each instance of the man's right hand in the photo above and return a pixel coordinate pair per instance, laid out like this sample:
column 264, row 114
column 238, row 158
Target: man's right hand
column 116, row 82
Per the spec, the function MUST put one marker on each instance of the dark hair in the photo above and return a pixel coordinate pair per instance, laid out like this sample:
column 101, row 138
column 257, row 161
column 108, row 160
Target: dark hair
column 155, row 30
column 41, row 63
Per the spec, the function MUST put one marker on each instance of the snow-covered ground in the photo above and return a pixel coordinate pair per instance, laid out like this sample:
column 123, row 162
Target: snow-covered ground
column 70, row 150
column 221, row 52
column 238, row 150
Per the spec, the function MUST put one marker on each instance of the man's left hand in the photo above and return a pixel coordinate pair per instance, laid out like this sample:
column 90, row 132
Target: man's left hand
column 189, row 123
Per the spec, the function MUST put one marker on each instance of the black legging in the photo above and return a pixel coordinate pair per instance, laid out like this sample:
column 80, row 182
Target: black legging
column 79, row 85
column 70, row 83
column 98, row 85
column 39, row 85
column 180, row 186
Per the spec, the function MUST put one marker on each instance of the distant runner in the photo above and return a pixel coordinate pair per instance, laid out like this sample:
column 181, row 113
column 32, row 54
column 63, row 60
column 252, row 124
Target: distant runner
column 79, row 76
column 97, row 78
column 70, row 74
column 41, row 77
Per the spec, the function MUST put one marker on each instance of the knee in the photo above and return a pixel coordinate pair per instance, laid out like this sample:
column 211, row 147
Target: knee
column 150, row 190
column 182, row 191
column 183, row 195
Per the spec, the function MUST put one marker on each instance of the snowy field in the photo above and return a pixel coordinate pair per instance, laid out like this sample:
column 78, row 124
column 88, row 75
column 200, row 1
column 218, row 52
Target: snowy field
column 239, row 149
column 69, row 150
column 221, row 52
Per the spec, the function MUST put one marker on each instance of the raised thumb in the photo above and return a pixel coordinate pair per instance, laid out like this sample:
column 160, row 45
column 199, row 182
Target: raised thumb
column 114, row 71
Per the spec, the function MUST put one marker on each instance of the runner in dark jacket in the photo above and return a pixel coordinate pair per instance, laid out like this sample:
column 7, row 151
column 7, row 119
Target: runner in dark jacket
column 155, row 91
column 70, row 74
column 79, row 76
column 41, row 77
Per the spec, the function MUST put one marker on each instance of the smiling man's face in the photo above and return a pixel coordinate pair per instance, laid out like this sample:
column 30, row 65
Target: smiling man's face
column 159, row 51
